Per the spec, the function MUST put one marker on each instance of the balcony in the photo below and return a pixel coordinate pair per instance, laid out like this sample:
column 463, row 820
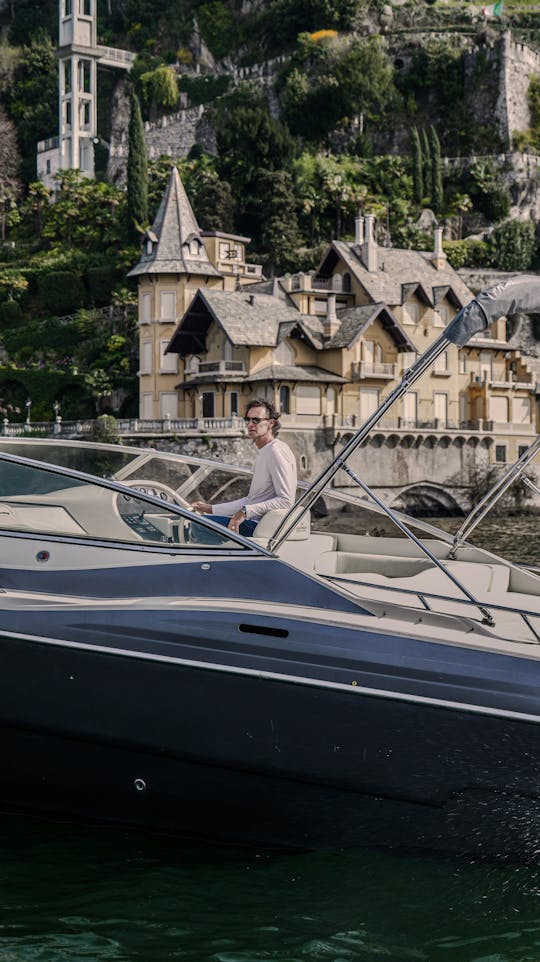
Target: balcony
column 221, row 368
column 373, row 370
column 239, row 270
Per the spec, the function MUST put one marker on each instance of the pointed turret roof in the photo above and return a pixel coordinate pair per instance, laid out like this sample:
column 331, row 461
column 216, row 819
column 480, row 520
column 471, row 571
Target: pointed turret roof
column 174, row 245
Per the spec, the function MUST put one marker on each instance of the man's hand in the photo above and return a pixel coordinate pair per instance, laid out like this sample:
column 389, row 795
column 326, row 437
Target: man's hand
column 203, row 507
column 236, row 521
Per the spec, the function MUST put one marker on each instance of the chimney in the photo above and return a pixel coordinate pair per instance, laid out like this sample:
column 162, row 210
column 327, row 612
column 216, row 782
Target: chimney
column 330, row 322
column 369, row 247
column 438, row 258
column 359, row 230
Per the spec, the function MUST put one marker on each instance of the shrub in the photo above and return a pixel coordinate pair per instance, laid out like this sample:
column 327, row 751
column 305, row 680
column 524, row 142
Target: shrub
column 100, row 282
column 61, row 291
column 10, row 314
column 514, row 245
column 105, row 430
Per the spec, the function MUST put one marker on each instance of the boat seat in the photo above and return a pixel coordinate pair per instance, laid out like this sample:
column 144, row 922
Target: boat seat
column 478, row 577
column 350, row 563
column 271, row 521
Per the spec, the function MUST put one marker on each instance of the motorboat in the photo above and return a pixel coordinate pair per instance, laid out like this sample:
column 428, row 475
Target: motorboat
column 348, row 676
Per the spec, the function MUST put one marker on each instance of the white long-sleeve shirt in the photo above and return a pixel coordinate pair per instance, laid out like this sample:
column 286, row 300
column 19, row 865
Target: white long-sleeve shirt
column 273, row 484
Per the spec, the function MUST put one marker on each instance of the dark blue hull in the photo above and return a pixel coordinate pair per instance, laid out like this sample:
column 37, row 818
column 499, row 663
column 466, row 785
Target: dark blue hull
column 310, row 741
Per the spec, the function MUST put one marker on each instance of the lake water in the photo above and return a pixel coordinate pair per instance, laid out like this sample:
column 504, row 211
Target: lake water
column 71, row 893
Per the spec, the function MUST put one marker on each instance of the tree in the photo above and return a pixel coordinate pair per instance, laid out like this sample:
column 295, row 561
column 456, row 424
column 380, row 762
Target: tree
column 214, row 205
column 250, row 140
column 437, row 197
column 514, row 245
column 10, row 185
column 280, row 234
column 417, row 171
column 160, row 89
column 99, row 384
column 137, row 173
column 426, row 164
column 32, row 101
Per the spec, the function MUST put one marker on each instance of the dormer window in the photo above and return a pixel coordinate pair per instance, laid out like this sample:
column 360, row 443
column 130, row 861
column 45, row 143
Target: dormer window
column 193, row 245
column 149, row 246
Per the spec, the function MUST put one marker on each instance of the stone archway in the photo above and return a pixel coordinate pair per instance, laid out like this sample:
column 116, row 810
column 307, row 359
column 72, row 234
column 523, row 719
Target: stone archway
column 427, row 501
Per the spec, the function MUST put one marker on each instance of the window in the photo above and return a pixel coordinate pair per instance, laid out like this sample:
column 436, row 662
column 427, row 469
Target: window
column 440, row 317
column 369, row 402
column 284, row 399
column 440, row 408
column 441, row 363
column 168, row 404
column 146, row 357
column 167, row 306
column 521, row 410
column 146, row 308
column 67, row 8
column 234, row 403
column 410, row 407
column 462, row 362
column 498, row 409
column 331, row 401
column 168, row 363
column 48, row 166
column 147, row 407
column 85, row 76
column 410, row 313
column 85, row 109
column 66, row 65
column 308, row 399
column 500, row 453
column 346, row 283
column 521, row 449
column 67, row 115
column 486, row 362
column 85, row 8
column 208, row 404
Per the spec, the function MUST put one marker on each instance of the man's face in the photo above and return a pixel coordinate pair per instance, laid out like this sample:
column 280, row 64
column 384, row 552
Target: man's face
column 259, row 425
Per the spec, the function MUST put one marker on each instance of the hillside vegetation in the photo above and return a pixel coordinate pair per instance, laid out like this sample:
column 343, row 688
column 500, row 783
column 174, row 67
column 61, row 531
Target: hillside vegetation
column 365, row 99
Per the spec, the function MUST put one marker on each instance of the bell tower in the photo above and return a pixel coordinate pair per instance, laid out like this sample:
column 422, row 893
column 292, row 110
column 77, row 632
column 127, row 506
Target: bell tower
column 79, row 55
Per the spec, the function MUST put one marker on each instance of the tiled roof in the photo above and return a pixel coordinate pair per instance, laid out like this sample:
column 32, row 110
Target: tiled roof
column 355, row 320
column 294, row 372
column 176, row 231
column 399, row 273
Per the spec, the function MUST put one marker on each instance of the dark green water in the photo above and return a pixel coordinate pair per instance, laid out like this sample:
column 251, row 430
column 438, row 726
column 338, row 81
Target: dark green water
column 71, row 894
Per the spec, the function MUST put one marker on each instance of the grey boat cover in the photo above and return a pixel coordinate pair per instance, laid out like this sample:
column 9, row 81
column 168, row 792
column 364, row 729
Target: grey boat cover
column 520, row 294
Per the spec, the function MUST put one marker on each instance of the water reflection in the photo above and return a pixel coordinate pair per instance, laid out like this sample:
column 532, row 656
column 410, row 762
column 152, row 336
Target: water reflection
column 71, row 894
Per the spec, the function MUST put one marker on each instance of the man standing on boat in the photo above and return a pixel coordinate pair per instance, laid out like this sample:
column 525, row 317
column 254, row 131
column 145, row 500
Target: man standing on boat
column 273, row 484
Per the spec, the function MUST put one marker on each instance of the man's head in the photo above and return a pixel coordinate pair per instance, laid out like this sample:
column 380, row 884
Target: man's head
column 262, row 421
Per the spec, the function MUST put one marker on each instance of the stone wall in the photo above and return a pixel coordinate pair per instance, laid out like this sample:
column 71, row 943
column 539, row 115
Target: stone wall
column 174, row 134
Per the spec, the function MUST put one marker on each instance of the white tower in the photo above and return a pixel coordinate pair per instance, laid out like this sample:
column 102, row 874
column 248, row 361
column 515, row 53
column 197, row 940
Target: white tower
column 79, row 56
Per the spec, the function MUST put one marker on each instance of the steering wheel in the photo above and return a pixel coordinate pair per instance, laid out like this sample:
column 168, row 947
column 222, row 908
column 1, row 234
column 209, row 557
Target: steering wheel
column 157, row 490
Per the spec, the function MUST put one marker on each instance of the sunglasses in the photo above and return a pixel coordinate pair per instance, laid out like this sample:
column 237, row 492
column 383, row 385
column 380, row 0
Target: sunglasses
column 255, row 420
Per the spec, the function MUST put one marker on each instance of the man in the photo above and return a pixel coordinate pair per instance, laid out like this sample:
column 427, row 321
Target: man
column 273, row 484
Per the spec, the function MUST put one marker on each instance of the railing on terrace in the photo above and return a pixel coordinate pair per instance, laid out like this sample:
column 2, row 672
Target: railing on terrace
column 234, row 425
column 217, row 367
column 373, row 369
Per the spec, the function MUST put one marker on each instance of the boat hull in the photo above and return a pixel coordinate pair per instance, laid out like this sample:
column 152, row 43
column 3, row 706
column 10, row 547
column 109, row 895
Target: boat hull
column 260, row 757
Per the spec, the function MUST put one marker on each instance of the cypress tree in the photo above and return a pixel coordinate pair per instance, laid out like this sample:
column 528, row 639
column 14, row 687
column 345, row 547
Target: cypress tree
column 437, row 198
column 417, row 172
column 137, row 173
column 426, row 164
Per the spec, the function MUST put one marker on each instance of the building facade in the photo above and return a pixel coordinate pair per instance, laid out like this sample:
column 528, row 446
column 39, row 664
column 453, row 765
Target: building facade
column 327, row 346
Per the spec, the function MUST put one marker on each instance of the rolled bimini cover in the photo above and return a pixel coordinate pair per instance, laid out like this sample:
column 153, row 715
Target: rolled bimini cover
column 520, row 294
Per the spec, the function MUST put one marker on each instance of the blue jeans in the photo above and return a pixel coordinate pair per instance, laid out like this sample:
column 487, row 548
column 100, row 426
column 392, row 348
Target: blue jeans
column 205, row 536
column 246, row 528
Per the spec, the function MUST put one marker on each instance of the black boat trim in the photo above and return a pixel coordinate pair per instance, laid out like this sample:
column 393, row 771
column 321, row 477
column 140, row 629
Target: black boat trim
column 353, row 688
